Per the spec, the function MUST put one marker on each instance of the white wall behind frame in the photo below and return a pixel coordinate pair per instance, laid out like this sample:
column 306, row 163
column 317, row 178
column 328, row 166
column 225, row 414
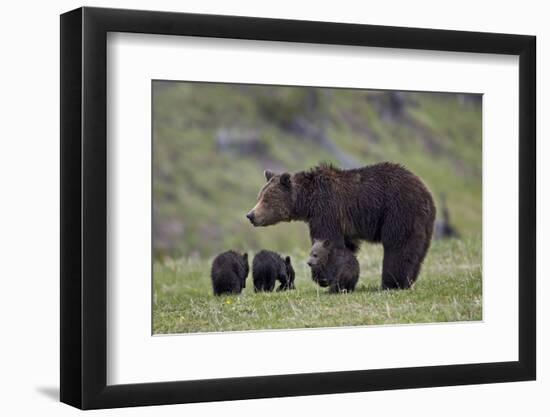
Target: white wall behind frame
column 29, row 311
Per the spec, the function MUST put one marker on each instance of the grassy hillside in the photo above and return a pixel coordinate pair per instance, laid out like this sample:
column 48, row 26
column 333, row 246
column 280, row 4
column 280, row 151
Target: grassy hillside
column 211, row 143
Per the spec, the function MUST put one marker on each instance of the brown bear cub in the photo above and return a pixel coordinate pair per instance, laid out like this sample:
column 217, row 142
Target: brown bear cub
column 268, row 267
column 229, row 272
column 383, row 203
column 336, row 268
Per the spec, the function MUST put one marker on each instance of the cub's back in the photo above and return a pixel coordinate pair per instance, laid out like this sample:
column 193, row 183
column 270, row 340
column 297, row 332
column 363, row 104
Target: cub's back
column 266, row 259
column 226, row 262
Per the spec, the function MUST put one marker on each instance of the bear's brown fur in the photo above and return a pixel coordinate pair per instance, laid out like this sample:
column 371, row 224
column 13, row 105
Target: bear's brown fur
column 382, row 203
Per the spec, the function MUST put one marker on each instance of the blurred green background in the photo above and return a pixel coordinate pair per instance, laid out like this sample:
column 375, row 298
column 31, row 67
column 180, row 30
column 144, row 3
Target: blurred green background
column 211, row 143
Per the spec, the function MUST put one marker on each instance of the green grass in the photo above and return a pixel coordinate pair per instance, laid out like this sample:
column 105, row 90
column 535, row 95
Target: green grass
column 449, row 289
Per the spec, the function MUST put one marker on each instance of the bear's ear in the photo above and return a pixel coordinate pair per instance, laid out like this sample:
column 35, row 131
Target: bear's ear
column 245, row 256
column 287, row 260
column 285, row 180
column 268, row 174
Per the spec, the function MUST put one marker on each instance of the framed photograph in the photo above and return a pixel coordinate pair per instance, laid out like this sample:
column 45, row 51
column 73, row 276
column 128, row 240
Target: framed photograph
column 259, row 208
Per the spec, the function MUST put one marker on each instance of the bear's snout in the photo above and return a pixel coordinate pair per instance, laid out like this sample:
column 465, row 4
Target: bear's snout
column 250, row 216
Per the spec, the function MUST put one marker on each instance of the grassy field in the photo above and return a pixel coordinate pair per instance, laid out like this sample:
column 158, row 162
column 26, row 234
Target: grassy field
column 449, row 289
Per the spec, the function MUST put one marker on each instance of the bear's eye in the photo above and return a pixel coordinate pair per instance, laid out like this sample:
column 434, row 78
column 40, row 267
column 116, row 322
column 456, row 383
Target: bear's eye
column 315, row 255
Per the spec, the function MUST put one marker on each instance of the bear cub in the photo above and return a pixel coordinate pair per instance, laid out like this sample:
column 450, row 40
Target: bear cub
column 268, row 267
column 333, row 267
column 229, row 272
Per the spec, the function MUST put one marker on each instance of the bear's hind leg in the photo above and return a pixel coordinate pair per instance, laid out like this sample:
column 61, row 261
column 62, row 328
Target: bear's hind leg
column 401, row 265
column 395, row 270
column 351, row 284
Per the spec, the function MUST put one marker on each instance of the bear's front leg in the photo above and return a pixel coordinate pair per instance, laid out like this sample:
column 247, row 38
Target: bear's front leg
column 334, row 287
column 282, row 278
column 325, row 229
column 334, row 280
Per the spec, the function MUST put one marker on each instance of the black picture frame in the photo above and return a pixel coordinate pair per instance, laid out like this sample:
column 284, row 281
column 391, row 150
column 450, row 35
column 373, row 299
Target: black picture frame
column 84, row 207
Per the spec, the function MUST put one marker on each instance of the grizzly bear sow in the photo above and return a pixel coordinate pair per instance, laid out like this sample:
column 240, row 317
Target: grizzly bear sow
column 268, row 267
column 382, row 203
column 336, row 268
column 229, row 272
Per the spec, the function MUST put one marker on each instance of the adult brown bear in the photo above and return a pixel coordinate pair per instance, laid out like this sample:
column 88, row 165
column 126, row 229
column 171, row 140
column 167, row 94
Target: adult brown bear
column 382, row 203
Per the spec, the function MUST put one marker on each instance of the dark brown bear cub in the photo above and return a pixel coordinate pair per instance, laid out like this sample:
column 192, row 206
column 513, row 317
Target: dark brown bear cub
column 268, row 267
column 336, row 268
column 229, row 272
column 383, row 203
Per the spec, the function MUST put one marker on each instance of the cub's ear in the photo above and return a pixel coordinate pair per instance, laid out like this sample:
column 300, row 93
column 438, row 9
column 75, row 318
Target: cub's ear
column 287, row 260
column 326, row 243
column 268, row 174
column 285, row 180
column 245, row 256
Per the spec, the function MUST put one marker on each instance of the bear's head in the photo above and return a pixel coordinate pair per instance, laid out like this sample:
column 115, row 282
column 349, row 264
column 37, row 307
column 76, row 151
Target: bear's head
column 318, row 256
column 275, row 201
